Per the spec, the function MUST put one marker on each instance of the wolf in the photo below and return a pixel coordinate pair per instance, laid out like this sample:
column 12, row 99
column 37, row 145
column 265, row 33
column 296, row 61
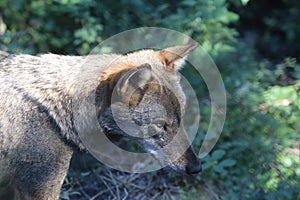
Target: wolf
column 38, row 134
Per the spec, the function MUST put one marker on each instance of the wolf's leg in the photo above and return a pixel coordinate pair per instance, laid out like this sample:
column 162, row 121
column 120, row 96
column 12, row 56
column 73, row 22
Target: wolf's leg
column 42, row 166
column 7, row 191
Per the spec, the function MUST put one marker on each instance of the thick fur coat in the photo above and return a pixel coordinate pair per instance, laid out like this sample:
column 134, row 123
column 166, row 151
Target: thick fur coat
column 37, row 130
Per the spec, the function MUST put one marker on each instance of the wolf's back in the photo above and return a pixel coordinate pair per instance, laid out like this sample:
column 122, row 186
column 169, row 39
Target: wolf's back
column 32, row 87
column 31, row 100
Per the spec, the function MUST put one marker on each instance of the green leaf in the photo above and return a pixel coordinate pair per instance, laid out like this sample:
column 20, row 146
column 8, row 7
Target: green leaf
column 228, row 162
column 245, row 2
column 218, row 154
column 189, row 3
column 218, row 168
column 85, row 173
column 206, row 165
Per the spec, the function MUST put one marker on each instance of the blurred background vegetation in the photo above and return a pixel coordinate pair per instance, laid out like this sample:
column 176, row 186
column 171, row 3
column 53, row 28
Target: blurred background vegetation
column 256, row 46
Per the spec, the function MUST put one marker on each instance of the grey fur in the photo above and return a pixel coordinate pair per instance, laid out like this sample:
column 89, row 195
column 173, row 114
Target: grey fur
column 37, row 131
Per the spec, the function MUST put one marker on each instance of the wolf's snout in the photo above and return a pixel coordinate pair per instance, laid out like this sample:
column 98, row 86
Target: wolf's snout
column 194, row 168
column 193, row 165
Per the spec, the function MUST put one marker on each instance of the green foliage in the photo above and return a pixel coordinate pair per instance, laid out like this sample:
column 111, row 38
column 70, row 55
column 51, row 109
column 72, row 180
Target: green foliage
column 273, row 25
column 56, row 25
column 206, row 22
column 257, row 156
column 217, row 162
column 261, row 128
column 66, row 26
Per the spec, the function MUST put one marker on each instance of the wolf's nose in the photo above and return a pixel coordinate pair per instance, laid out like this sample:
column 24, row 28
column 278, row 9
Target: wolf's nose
column 194, row 168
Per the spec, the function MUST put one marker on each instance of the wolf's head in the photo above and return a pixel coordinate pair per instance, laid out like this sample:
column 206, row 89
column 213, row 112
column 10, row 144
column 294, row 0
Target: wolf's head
column 147, row 104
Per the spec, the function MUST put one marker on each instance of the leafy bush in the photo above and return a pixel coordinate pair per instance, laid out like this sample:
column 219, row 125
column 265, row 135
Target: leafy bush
column 257, row 156
column 206, row 22
column 261, row 133
column 66, row 27
column 271, row 25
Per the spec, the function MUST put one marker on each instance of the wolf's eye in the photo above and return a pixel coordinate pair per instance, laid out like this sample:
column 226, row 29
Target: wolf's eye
column 160, row 124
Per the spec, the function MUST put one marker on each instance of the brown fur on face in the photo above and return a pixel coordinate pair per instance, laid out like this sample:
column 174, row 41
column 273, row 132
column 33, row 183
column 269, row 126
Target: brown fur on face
column 152, row 88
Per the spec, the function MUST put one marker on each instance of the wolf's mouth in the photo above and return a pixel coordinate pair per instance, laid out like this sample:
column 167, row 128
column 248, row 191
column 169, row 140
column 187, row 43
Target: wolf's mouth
column 168, row 166
column 173, row 169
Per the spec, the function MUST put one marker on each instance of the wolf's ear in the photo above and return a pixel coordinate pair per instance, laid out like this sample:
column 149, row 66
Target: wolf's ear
column 173, row 57
column 131, row 83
